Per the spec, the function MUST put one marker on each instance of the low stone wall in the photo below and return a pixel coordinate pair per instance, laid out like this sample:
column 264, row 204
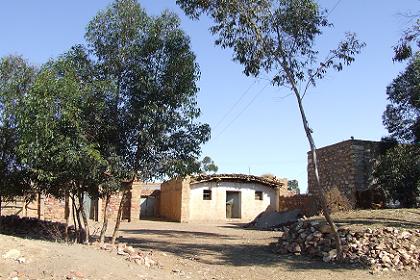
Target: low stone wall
column 305, row 202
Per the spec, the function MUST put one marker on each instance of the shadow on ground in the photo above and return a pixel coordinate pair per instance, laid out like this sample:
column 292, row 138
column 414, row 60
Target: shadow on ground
column 222, row 254
column 385, row 222
column 177, row 233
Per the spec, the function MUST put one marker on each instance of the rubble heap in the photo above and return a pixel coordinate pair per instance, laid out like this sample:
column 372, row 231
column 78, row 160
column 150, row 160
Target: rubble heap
column 379, row 249
column 130, row 254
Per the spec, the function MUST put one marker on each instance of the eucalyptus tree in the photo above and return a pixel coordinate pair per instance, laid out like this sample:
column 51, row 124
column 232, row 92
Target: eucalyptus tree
column 409, row 43
column 402, row 115
column 16, row 77
column 59, row 121
column 153, row 130
column 397, row 168
column 277, row 37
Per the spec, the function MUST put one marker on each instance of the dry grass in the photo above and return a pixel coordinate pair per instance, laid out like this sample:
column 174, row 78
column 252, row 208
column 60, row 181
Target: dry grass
column 361, row 219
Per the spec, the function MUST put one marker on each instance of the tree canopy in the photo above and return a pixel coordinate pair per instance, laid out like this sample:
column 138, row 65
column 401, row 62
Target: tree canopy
column 402, row 115
column 153, row 106
column 16, row 77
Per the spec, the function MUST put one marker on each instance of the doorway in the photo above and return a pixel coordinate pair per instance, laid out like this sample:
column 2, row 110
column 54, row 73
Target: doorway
column 233, row 205
column 147, row 206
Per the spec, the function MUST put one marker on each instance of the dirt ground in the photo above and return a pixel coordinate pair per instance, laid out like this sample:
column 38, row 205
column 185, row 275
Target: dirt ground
column 358, row 219
column 183, row 251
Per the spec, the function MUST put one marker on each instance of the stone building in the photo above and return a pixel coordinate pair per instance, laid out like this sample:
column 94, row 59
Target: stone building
column 346, row 165
column 219, row 197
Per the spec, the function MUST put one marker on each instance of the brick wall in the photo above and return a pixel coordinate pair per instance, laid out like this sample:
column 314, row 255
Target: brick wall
column 53, row 208
column 18, row 206
column 346, row 165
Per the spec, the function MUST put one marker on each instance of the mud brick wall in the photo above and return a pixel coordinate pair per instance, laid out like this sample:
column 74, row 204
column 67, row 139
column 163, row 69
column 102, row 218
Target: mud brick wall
column 54, row 208
column 113, row 205
column 305, row 202
column 174, row 200
column 346, row 165
column 18, row 206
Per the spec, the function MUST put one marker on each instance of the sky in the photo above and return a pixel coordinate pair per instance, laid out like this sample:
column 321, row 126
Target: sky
column 256, row 128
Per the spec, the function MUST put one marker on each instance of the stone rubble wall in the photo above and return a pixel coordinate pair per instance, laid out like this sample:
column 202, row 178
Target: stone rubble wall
column 346, row 165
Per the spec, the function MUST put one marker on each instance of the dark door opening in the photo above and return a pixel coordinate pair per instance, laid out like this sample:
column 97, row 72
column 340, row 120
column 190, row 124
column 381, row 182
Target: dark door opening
column 126, row 210
column 147, row 206
column 233, row 205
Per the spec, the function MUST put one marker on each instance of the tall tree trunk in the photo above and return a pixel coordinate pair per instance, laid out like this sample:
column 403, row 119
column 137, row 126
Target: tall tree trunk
column 321, row 195
column 79, row 223
column 105, row 222
column 119, row 214
column 76, row 230
column 66, row 215
column 82, row 210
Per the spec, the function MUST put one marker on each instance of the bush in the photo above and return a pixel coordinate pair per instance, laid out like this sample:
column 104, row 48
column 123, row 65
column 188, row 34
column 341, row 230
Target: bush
column 397, row 172
column 336, row 201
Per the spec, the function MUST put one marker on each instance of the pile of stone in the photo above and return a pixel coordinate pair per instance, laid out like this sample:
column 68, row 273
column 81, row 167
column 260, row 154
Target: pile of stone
column 379, row 249
column 131, row 254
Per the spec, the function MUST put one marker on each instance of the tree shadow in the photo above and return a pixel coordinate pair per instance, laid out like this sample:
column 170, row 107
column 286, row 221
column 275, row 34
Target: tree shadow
column 227, row 253
column 176, row 233
column 386, row 222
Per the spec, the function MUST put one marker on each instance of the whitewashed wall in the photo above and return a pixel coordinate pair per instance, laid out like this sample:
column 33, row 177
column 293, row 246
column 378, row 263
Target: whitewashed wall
column 215, row 209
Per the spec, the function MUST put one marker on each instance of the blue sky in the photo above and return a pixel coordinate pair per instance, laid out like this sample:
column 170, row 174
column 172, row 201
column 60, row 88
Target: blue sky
column 256, row 128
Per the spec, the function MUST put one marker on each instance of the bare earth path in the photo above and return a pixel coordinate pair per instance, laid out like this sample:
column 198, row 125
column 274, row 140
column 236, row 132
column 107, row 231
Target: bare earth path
column 183, row 251
column 227, row 251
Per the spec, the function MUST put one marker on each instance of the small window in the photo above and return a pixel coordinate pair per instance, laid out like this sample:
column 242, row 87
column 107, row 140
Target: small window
column 206, row 194
column 258, row 195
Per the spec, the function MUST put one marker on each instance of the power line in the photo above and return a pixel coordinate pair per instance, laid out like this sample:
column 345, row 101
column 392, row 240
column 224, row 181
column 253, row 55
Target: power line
column 333, row 8
column 242, row 111
column 234, row 105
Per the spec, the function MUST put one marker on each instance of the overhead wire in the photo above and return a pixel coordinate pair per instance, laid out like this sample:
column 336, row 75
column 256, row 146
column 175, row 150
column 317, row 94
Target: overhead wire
column 334, row 7
column 235, row 104
column 241, row 112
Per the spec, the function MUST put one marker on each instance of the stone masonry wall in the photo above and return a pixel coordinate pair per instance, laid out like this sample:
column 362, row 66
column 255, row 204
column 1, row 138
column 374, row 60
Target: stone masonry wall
column 346, row 166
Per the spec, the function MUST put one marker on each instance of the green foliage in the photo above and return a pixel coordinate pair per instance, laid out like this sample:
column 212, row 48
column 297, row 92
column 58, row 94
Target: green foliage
column 402, row 116
column 408, row 42
column 208, row 165
column 293, row 185
column 397, row 171
column 16, row 76
column 153, row 105
column 57, row 136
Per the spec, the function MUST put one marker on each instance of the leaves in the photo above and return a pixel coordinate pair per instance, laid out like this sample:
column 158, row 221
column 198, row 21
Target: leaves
column 153, row 105
column 402, row 116
column 397, row 171
column 408, row 42
column 276, row 37
column 16, row 76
